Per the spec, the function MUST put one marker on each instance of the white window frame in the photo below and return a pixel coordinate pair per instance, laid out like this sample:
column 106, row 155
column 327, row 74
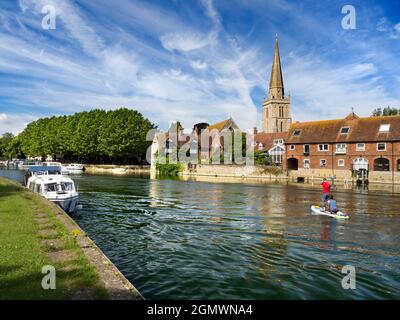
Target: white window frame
column 344, row 151
column 341, row 163
column 278, row 142
column 360, row 149
column 377, row 146
column 323, row 145
column 304, row 148
column 384, row 127
column 292, row 147
column 304, row 164
column 320, row 163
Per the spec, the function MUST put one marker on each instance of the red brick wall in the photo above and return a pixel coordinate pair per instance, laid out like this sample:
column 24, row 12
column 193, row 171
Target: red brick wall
column 332, row 158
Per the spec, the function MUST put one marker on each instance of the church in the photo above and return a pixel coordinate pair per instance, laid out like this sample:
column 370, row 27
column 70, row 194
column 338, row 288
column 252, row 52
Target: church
column 349, row 147
column 276, row 115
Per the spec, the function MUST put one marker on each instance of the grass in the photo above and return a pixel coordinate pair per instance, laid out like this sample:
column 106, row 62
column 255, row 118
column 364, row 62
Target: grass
column 23, row 253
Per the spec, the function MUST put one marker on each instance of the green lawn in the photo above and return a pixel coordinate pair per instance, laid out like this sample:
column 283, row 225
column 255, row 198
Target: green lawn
column 24, row 251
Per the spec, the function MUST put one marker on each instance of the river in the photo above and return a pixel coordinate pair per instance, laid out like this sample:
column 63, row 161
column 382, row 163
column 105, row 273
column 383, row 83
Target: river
column 177, row 239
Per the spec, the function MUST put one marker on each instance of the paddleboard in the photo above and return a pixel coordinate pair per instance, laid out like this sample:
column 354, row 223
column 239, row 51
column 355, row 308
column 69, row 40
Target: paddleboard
column 321, row 211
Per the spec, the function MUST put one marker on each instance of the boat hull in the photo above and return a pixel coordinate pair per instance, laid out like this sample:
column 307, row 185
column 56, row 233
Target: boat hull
column 69, row 205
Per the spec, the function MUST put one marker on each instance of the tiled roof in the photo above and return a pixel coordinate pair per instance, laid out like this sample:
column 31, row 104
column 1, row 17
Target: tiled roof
column 360, row 130
column 223, row 125
column 267, row 139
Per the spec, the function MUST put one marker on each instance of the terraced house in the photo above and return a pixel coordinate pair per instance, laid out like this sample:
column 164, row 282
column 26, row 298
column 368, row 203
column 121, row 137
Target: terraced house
column 348, row 148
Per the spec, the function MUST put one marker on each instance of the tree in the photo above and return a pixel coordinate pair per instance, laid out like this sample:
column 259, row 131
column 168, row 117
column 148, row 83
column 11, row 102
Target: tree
column 5, row 140
column 96, row 136
column 387, row 111
column 260, row 157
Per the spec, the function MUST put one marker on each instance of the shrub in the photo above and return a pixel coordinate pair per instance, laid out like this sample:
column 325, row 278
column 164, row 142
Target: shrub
column 169, row 169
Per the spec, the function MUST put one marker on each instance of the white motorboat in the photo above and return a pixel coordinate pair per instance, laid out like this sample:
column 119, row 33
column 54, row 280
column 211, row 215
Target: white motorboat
column 51, row 184
column 63, row 169
column 74, row 168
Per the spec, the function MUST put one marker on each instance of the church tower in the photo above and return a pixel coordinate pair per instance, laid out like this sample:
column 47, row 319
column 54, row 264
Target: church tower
column 276, row 116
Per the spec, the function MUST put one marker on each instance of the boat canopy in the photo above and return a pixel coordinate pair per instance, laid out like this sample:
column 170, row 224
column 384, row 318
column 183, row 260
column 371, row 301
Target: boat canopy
column 49, row 169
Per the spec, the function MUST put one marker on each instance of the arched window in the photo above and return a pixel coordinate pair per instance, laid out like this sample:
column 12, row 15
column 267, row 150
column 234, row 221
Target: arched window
column 292, row 164
column 381, row 164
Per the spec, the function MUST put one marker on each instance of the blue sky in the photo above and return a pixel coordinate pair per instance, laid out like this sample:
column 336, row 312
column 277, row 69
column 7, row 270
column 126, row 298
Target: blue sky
column 195, row 60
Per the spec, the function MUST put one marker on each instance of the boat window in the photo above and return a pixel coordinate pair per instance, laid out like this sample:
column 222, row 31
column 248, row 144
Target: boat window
column 67, row 186
column 38, row 188
column 51, row 187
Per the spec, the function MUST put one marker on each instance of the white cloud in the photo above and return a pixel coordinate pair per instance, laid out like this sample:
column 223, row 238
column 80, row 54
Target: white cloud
column 14, row 123
column 184, row 41
column 327, row 92
column 202, row 74
column 198, row 64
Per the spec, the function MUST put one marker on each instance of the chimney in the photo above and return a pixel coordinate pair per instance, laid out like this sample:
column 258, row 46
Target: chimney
column 255, row 130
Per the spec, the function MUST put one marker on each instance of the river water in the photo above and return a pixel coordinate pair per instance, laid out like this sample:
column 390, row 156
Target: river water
column 178, row 239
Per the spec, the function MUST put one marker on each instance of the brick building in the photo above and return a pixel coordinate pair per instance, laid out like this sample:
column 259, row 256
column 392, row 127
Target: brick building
column 358, row 145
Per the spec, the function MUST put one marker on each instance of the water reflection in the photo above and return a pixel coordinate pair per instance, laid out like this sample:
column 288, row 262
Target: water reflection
column 219, row 240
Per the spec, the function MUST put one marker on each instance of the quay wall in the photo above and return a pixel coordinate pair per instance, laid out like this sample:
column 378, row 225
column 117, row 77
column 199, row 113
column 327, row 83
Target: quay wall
column 117, row 285
column 344, row 176
column 116, row 169
column 306, row 175
column 235, row 171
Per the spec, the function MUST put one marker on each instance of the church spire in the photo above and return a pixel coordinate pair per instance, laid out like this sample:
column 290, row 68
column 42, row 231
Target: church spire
column 276, row 90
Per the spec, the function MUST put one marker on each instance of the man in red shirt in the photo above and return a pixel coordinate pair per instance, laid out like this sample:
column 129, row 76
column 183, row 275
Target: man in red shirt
column 326, row 189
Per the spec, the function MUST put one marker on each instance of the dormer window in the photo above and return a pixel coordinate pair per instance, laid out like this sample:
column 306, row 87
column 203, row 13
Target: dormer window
column 296, row 133
column 278, row 141
column 384, row 128
column 345, row 130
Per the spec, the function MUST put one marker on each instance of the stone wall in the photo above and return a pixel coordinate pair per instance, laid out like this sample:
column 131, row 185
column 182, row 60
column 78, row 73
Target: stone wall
column 303, row 175
column 310, row 175
column 235, row 171
column 117, row 170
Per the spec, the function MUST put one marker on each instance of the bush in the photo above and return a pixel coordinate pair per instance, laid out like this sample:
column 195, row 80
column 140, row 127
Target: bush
column 169, row 169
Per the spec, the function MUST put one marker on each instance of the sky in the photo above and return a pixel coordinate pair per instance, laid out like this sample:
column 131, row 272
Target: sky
column 195, row 60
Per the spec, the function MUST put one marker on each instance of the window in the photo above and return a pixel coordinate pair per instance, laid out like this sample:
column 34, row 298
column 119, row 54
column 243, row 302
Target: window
column 306, row 164
column 66, row 186
column 38, row 188
column 345, row 130
column 276, row 154
column 260, row 146
column 51, row 187
column 341, row 163
column 306, row 148
column 323, row 147
column 296, row 133
column 381, row 147
column 384, row 128
column 278, row 141
column 360, row 147
column 292, row 147
column 341, row 148
column 322, row 163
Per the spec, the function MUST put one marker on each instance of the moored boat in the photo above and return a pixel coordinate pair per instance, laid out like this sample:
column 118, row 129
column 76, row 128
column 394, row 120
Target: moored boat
column 52, row 185
column 74, row 168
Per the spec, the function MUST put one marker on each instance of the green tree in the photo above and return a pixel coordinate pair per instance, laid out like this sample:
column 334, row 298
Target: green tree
column 96, row 136
column 387, row 111
column 5, row 140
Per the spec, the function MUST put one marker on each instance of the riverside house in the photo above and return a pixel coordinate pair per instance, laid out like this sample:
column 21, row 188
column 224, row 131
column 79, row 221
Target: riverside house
column 348, row 148
column 198, row 146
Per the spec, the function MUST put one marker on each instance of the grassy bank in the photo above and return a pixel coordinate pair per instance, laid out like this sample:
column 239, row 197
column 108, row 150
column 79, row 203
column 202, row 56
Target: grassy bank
column 31, row 237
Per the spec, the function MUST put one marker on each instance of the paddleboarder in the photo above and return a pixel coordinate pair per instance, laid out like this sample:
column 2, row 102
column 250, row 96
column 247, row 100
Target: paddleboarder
column 326, row 190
